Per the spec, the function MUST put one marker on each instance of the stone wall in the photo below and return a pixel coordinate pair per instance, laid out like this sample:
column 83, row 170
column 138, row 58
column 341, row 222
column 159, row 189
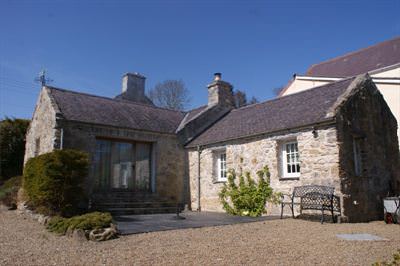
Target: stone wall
column 319, row 161
column 366, row 116
column 41, row 134
column 169, row 153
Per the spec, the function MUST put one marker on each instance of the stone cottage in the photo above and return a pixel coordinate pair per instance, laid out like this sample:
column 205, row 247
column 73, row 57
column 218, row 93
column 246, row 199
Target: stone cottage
column 146, row 159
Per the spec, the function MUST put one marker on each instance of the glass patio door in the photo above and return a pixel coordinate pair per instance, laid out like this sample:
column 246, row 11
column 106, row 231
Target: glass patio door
column 122, row 165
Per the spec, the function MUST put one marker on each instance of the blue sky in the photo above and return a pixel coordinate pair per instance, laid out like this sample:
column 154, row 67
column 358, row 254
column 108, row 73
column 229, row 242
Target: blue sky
column 257, row 45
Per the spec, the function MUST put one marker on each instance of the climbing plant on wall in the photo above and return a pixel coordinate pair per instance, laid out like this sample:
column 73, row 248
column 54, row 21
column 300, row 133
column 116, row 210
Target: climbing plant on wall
column 247, row 197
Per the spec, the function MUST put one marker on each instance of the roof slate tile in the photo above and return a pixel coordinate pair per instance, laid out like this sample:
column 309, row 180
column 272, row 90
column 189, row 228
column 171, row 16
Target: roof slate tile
column 120, row 113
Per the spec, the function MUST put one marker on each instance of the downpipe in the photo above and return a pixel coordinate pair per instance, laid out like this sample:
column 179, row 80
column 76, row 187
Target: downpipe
column 198, row 178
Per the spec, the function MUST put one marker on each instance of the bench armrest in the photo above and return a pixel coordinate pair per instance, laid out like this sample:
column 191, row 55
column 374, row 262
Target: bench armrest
column 286, row 196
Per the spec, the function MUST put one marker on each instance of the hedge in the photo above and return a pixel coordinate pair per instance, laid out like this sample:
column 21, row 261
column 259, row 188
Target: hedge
column 54, row 182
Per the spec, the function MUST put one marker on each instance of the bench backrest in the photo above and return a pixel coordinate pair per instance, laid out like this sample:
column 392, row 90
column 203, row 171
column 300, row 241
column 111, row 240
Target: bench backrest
column 303, row 190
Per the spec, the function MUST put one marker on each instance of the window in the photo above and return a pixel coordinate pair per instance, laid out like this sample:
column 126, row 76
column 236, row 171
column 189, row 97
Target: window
column 357, row 156
column 220, row 168
column 122, row 165
column 290, row 160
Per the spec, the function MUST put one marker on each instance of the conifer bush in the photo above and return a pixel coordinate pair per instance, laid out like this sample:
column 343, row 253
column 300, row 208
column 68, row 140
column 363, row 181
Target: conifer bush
column 54, row 181
column 247, row 198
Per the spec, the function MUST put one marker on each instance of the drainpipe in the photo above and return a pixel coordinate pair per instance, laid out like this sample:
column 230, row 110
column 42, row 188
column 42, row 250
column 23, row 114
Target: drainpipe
column 198, row 178
column 61, row 138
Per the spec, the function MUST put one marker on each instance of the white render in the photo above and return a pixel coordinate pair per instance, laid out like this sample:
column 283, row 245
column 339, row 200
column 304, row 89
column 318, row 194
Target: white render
column 387, row 80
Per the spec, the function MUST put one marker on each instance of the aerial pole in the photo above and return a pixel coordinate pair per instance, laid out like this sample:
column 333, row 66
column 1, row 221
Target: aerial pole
column 42, row 79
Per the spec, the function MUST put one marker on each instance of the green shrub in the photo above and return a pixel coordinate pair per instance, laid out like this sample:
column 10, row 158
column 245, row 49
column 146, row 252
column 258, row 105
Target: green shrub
column 89, row 221
column 12, row 147
column 247, row 198
column 9, row 191
column 54, row 182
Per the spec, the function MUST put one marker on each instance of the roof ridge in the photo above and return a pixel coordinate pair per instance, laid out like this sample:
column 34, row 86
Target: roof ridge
column 197, row 108
column 351, row 53
column 292, row 94
column 113, row 99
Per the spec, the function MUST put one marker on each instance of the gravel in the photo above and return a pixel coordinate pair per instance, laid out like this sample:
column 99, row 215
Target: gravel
column 277, row 242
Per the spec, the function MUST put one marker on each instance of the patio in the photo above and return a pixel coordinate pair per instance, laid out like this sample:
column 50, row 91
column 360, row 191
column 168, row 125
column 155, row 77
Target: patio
column 134, row 224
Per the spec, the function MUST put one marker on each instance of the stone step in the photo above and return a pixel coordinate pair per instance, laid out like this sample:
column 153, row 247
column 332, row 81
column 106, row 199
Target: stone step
column 124, row 204
column 128, row 197
column 130, row 211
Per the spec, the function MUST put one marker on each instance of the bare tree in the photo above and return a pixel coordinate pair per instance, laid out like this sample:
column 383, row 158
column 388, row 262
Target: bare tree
column 276, row 91
column 253, row 100
column 240, row 99
column 171, row 94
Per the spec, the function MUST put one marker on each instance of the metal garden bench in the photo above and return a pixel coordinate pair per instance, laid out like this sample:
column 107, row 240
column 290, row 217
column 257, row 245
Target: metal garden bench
column 312, row 197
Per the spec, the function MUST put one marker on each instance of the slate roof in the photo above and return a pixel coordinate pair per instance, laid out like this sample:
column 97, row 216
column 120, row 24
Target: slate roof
column 194, row 112
column 113, row 112
column 190, row 115
column 291, row 111
column 362, row 61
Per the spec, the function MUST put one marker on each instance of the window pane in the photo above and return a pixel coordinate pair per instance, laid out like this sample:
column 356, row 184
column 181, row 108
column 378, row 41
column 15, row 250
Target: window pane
column 143, row 155
column 221, row 163
column 289, row 169
column 102, row 162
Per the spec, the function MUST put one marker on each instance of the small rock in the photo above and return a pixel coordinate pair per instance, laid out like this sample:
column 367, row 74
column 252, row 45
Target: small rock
column 22, row 206
column 87, row 232
column 42, row 219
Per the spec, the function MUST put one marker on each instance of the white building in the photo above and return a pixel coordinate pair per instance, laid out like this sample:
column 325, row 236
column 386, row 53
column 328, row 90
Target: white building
column 381, row 61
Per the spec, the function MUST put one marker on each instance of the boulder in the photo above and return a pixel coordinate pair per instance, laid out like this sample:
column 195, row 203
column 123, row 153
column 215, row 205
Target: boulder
column 43, row 219
column 103, row 234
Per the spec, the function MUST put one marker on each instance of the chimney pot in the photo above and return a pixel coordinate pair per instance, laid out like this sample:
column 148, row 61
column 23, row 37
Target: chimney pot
column 217, row 76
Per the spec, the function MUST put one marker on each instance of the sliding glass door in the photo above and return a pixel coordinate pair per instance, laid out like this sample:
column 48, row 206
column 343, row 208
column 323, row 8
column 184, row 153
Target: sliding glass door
column 122, row 165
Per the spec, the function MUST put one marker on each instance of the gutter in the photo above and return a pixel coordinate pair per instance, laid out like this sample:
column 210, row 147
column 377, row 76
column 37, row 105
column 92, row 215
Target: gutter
column 326, row 122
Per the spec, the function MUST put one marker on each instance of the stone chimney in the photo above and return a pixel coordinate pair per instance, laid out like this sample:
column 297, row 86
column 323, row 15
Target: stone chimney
column 133, row 88
column 220, row 92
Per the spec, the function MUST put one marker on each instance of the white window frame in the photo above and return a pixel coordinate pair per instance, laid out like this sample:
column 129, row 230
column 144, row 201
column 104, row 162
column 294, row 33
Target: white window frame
column 221, row 167
column 285, row 163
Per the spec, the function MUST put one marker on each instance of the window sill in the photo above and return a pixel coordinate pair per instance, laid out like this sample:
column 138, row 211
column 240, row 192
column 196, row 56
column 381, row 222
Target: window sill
column 219, row 181
column 289, row 178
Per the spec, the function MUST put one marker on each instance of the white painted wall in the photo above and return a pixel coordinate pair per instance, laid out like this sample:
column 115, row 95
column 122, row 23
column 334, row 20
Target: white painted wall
column 388, row 83
column 299, row 85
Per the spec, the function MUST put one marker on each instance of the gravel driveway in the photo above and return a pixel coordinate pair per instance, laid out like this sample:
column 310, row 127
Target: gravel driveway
column 276, row 242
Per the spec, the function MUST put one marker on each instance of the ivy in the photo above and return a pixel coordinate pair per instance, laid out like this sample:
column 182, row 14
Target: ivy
column 247, row 197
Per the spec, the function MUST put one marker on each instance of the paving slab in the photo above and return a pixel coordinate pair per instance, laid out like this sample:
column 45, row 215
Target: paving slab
column 360, row 237
column 135, row 224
